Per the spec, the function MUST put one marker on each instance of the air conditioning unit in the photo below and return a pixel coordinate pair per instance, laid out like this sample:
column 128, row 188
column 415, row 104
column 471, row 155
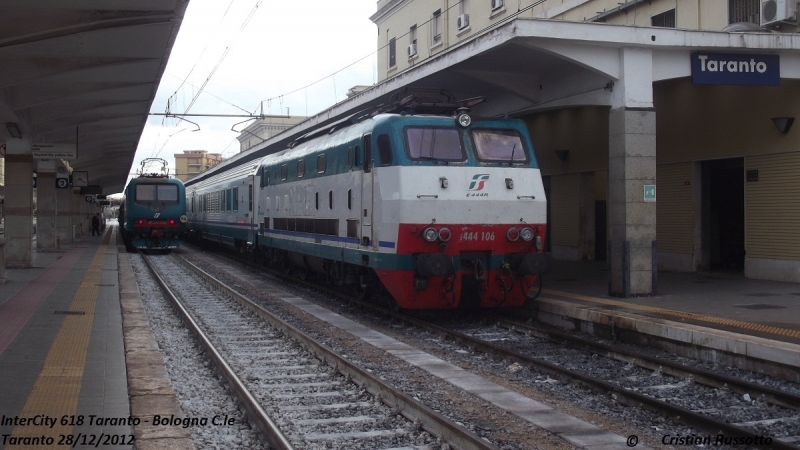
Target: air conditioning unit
column 462, row 21
column 496, row 4
column 775, row 11
column 412, row 49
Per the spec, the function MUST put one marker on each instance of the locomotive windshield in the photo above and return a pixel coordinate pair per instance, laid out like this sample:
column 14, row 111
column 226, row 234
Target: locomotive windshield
column 499, row 145
column 443, row 144
column 165, row 193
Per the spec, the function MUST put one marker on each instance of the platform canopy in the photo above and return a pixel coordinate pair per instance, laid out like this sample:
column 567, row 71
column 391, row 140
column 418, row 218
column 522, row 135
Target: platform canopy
column 85, row 71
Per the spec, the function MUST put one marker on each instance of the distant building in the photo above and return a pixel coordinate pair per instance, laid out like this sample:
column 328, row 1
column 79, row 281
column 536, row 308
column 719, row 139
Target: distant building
column 263, row 129
column 191, row 163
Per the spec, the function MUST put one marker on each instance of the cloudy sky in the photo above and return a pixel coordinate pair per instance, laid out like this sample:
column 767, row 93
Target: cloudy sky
column 249, row 51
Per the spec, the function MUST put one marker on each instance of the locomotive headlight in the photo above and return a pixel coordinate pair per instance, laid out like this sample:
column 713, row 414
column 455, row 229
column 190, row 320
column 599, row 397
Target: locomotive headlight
column 464, row 120
column 184, row 218
column 429, row 234
column 526, row 234
column 512, row 234
column 445, row 234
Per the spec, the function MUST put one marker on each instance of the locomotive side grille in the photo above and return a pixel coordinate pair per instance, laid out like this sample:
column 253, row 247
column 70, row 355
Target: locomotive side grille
column 328, row 227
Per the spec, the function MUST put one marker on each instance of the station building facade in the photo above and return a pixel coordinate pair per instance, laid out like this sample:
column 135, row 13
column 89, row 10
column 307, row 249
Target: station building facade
column 645, row 152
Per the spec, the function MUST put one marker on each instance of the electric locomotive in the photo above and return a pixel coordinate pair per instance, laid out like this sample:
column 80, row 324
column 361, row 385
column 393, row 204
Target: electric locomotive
column 152, row 214
column 435, row 211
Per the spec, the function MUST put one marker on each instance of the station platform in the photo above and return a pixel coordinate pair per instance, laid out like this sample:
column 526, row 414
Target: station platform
column 718, row 316
column 64, row 369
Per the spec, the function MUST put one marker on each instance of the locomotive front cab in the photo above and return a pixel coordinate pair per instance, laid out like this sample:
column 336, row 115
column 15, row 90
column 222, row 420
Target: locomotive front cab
column 156, row 218
column 475, row 191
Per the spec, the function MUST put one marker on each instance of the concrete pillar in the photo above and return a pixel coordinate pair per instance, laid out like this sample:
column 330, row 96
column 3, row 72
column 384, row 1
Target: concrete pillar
column 631, row 166
column 18, row 209
column 46, row 211
column 64, row 217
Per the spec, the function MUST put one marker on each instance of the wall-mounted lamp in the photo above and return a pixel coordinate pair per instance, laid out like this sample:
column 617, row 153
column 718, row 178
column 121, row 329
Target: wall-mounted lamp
column 562, row 155
column 783, row 124
column 13, row 130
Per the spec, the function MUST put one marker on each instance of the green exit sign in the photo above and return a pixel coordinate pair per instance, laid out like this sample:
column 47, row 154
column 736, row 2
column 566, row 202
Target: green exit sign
column 649, row 192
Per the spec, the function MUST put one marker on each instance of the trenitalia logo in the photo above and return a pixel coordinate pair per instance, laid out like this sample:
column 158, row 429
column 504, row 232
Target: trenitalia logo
column 478, row 181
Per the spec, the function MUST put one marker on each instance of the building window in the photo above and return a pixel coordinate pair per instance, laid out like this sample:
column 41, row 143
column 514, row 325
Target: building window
column 392, row 52
column 743, row 11
column 436, row 26
column 497, row 4
column 412, row 41
column 665, row 19
column 463, row 15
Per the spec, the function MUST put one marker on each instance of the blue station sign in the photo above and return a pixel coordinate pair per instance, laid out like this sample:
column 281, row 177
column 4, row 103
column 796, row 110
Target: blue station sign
column 739, row 69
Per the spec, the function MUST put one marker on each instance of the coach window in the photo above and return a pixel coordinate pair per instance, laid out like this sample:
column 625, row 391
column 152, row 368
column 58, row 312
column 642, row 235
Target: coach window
column 301, row 168
column 351, row 157
column 385, row 149
column 316, row 200
column 236, row 199
column 321, row 164
column 330, row 199
column 349, row 199
column 284, row 172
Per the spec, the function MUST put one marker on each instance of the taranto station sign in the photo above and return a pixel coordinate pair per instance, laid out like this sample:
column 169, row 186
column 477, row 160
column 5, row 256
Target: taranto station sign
column 737, row 69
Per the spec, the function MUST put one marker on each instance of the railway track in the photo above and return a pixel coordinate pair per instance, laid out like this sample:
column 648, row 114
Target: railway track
column 702, row 398
column 299, row 393
column 737, row 408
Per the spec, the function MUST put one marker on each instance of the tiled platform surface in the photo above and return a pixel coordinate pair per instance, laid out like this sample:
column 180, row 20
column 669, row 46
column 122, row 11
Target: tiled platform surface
column 63, row 355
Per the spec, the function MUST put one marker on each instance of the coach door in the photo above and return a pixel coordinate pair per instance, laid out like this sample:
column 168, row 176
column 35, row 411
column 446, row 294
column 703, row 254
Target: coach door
column 250, row 212
column 366, row 191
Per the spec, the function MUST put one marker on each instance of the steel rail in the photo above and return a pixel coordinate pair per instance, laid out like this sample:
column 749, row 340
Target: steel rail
column 272, row 433
column 702, row 376
column 629, row 397
column 433, row 422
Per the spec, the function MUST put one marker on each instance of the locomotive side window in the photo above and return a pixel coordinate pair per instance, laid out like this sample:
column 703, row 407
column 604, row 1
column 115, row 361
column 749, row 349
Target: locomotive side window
column 367, row 153
column 385, row 149
column 499, row 145
column 301, row 168
column 284, row 172
column 321, row 165
column 443, row 144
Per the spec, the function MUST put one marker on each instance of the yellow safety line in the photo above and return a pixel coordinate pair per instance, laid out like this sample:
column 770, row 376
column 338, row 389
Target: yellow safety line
column 57, row 389
column 682, row 314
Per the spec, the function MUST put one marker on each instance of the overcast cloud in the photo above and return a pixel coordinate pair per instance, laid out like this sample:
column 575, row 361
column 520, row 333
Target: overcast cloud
column 286, row 45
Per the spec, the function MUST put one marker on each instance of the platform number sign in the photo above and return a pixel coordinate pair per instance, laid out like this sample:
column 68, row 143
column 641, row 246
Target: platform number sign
column 62, row 183
column 649, row 192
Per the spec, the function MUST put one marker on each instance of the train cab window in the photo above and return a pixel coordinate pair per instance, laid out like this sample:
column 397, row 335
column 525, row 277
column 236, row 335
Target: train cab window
column 384, row 149
column 162, row 193
column 301, row 168
column 284, row 172
column 321, row 165
column 439, row 144
column 503, row 146
column 236, row 199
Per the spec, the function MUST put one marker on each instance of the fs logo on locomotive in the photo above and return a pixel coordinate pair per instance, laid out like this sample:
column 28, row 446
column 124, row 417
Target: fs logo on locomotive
column 477, row 184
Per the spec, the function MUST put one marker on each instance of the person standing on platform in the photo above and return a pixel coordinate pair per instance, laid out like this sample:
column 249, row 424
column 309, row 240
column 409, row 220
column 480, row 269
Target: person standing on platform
column 96, row 224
